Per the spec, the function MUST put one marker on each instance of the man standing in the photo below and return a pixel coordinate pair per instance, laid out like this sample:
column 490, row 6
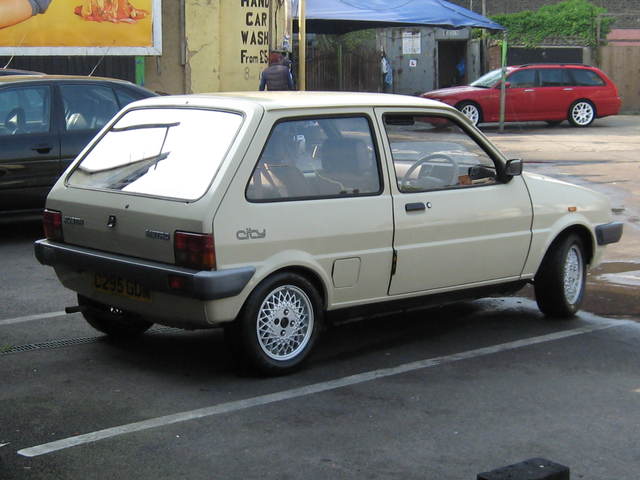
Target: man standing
column 277, row 75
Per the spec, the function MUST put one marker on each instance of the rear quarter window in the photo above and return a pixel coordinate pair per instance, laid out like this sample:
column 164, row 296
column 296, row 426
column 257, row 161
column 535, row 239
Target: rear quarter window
column 125, row 97
column 586, row 78
column 164, row 152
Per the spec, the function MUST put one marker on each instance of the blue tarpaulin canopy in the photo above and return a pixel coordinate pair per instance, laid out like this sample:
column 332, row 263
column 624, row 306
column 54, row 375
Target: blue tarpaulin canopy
column 340, row 16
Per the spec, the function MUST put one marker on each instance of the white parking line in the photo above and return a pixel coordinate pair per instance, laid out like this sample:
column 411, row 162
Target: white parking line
column 307, row 390
column 30, row 318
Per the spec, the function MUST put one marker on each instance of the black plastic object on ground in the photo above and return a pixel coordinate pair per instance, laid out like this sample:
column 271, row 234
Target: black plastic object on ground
column 532, row 469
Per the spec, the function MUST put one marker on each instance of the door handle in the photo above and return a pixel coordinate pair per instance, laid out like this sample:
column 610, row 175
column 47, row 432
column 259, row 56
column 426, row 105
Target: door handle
column 568, row 89
column 42, row 148
column 414, row 207
column 529, row 90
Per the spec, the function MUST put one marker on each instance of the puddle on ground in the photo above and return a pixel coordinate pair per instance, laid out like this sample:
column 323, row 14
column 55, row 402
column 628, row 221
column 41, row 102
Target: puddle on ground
column 629, row 279
column 623, row 274
column 613, row 289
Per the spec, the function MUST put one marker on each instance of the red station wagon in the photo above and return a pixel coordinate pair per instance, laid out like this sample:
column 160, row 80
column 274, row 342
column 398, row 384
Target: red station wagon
column 548, row 92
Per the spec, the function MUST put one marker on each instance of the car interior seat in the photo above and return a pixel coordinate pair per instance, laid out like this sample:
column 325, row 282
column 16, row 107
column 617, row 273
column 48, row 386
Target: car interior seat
column 15, row 120
column 348, row 166
column 77, row 121
column 277, row 175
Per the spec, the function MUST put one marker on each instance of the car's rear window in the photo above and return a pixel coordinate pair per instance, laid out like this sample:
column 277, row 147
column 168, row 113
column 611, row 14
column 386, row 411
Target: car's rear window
column 166, row 152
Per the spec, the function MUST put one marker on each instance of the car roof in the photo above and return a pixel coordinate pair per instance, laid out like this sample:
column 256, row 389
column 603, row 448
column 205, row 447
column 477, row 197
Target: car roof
column 554, row 65
column 57, row 78
column 16, row 71
column 291, row 99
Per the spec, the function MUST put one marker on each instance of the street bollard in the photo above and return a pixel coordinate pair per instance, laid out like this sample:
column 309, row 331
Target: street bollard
column 532, row 469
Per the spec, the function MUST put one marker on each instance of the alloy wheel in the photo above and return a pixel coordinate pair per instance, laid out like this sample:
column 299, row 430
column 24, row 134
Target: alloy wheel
column 582, row 113
column 471, row 112
column 285, row 322
column 573, row 275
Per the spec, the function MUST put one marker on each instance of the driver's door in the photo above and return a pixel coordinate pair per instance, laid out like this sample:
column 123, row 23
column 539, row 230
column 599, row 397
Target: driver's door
column 456, row 223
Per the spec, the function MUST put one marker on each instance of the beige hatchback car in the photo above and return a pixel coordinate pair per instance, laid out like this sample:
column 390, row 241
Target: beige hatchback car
column 265, row 212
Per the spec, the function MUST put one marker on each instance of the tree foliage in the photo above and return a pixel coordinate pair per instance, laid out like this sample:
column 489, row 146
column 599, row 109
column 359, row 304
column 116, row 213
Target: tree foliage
column 570, row 18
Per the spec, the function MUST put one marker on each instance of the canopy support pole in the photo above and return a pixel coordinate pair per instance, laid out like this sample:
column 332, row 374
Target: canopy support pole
column 503, row 86
column 302, row 46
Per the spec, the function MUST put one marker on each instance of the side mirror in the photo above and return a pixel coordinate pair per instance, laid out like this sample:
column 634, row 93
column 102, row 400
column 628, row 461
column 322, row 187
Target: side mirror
column 506, row 85
column 513, row 167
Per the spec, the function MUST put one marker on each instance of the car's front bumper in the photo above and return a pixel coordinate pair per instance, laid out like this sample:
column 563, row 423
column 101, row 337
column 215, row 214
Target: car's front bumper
column 609, row 233
column 199, row 285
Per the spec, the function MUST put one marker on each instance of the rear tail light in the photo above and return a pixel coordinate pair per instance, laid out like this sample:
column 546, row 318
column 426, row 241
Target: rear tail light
column 194, row 250
column 52, row 223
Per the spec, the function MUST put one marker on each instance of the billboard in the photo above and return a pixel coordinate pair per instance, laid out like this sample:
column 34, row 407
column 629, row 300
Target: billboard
column 80, row 27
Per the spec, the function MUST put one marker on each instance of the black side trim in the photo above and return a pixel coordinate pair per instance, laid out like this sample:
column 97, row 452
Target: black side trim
column 201, row 285
column 609, row 233
column 428, row 300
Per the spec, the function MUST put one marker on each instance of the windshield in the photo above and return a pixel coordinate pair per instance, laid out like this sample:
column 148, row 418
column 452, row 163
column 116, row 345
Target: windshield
column 488, row 80
column 167, row 152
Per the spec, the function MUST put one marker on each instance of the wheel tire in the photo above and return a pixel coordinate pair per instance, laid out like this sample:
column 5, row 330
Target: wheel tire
column 582, row 113
column 561, row 280
column 471, row 111
column 112, row 321
column 279, row 324
column 553, row 123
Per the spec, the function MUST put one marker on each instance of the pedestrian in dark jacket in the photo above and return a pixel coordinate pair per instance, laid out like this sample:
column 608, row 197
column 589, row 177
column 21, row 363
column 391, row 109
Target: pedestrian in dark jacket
column 277, row 76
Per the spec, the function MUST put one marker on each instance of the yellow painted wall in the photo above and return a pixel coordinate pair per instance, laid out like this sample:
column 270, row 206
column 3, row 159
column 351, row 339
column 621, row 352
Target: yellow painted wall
column 165, row 73
column 226, row 45
column 202, row 31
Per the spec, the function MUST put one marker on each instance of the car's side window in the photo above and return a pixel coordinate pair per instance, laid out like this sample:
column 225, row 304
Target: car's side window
column 585, row 78
column 87, row 107
column 125, row 97
column 25, row 110
column 435, row 153
column 553, row 77
column 522, row 79
column 317, row 158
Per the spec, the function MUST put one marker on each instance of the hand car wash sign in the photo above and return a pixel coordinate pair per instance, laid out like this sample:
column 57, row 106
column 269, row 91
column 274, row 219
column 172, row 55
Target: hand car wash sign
column 254, row 34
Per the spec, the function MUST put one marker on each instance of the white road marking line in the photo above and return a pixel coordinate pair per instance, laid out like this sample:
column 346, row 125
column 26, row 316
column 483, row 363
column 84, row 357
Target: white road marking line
column 306, row 390
column 29, row 318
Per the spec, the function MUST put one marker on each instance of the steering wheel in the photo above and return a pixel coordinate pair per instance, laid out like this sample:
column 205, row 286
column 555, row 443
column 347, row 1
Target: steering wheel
column 406, row 179
column 15, row 122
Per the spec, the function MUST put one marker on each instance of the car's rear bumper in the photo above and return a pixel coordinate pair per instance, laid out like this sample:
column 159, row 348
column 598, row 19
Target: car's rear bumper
column 199, row 285
column 609, row 233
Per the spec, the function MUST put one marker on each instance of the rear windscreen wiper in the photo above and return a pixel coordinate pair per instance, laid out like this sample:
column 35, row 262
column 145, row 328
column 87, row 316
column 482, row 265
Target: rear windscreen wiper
column 144, row 125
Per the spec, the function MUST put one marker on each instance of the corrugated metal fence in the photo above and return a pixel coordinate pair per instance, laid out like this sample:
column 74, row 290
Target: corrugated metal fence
column 115, row 66
column 350, row 70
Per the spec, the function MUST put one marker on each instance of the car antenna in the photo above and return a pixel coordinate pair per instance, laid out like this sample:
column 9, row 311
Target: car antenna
column 19, row 45
column 97, row 65
column 99, row 61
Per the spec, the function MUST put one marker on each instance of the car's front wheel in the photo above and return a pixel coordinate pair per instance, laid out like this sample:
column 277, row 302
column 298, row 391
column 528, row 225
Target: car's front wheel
column 582, row 113
column 561, row 280
column 279, row 324
column 471, row 111
column 111, row 320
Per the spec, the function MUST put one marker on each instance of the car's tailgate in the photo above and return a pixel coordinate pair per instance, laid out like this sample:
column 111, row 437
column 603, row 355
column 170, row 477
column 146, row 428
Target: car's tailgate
column 131, row 225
